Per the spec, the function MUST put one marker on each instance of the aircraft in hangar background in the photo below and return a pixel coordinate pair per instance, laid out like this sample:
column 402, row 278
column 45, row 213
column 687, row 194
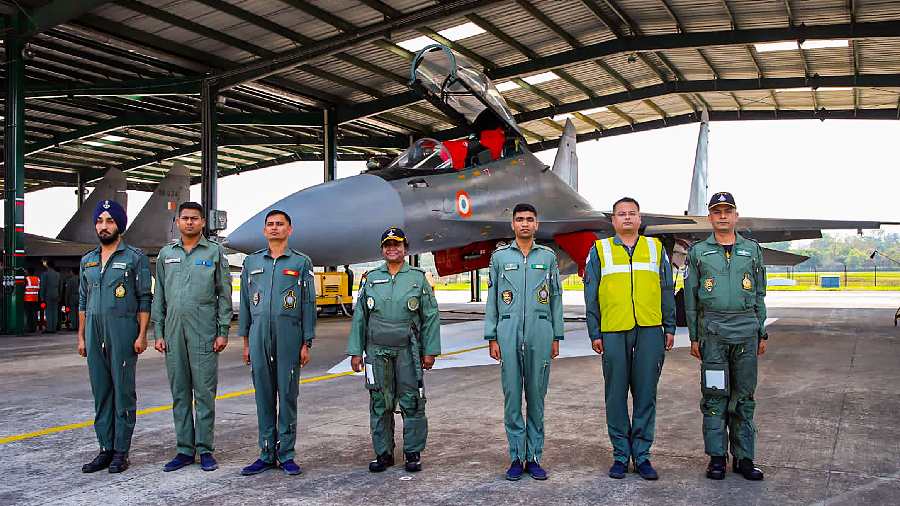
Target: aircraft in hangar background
column 454, row 198
column 150, row 230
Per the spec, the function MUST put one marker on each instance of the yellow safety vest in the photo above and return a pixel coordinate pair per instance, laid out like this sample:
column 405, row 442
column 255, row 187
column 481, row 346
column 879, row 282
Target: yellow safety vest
column 629, row 291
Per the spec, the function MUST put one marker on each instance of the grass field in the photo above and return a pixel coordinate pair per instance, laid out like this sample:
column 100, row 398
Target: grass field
column 804, row 281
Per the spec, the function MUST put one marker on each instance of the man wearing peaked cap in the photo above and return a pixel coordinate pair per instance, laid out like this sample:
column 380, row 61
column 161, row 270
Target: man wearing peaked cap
column 394, row 336
column 114, row 312
column 725, row 290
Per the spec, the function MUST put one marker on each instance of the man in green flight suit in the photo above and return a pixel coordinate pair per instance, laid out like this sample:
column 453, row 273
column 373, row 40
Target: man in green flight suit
column 725, row 290
column 523, row 321
column 629, row 297
column 49, row 295
column 114, row 312
column 397, row 324
column 277, row 324
column 191, row 313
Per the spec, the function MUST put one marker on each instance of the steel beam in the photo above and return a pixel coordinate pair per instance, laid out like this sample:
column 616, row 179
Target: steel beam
column 14, row 183
column 209, row 152
column 57, row 12
column 329, row 145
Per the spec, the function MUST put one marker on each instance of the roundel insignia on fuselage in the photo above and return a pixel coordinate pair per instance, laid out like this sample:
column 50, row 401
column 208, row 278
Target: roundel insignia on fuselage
column 463, row 204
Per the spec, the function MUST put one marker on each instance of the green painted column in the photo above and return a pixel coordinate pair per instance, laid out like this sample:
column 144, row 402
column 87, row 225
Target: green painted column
column 14, row 185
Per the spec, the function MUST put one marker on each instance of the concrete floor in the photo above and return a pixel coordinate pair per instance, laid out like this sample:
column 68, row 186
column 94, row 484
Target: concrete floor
column 827, row 418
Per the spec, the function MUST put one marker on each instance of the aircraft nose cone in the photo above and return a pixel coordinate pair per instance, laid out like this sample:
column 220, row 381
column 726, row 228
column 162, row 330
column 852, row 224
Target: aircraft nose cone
column 335, row 223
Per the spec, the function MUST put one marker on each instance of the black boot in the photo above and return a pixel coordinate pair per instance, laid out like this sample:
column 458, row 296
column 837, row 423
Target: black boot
column 748, row 470
column 119, row 462
column 101, row 461
column 413, row 462
column 716, row 468
column 381, row 463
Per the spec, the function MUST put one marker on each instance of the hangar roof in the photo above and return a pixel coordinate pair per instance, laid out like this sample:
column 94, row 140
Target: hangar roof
column 116, row 83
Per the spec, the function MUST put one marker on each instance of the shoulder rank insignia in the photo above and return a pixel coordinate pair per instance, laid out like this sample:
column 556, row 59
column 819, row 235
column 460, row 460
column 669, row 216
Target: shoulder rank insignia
column 746, row 283
column 290, row 300
column 709, row 283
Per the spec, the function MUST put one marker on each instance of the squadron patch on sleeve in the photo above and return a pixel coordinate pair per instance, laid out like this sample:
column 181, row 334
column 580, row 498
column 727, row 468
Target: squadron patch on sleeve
column 746, row 283
column 290, row 300
column 412, row 304
column 543, row 294
column 709, row 284
column 370, row 302
column 507, row 297
column 120, row 291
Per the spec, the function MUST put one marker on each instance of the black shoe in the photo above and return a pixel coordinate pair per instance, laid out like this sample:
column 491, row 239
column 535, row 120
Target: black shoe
column 413, row 462
column 119, row 462
column 618, row 470
column 716, row 468
column 514, row 473
column 748, row 470
column 101, row 461
column 645, row 469
column 381, row 463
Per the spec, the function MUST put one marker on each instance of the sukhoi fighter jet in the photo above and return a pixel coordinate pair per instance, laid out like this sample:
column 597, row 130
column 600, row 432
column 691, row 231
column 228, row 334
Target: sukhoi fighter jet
column 454, row 198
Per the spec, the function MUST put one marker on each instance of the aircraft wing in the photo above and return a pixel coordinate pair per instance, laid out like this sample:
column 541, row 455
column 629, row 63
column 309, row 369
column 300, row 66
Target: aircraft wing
column 777, row 257
column 40, row 246
column 764, row 229
column 550, row 226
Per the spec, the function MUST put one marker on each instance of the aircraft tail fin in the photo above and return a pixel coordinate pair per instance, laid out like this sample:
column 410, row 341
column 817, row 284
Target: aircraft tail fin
column 80, row 227
column 155, row 224
column 565, row 165
column 700, row 180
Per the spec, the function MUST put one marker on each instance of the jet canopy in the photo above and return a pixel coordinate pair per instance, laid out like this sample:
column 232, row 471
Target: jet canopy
column 424, row 155
column 460, row 89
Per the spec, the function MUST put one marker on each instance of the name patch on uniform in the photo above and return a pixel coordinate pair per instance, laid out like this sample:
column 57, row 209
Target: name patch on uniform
column 710, row 252
column 538, row 266
column 173, row 261
column 207, row 263
column 507, row 297
column 119, row 265
column 379, row 281
column 91, row 264
column 290, row 300
column 511, row 267
column 256, row 271
column 742, row 252
column 289, row 272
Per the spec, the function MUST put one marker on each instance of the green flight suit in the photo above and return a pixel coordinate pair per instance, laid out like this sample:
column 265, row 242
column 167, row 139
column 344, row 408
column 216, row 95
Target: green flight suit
column 632, row 360
column 524, row 314
column 191, row 307
column 111, row 296
column 278, row 314
column 396, row 322
column 726, row 312
column 49, row 293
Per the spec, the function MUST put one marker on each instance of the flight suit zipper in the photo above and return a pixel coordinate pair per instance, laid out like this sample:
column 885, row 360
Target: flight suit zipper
column 524, row 296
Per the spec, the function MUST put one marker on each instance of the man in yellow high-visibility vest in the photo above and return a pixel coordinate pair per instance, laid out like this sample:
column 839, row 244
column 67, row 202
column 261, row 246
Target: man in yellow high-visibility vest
column 630, row 303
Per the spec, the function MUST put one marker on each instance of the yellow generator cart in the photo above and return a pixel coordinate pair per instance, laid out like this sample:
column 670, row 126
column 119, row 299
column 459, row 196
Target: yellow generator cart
column 334, row 293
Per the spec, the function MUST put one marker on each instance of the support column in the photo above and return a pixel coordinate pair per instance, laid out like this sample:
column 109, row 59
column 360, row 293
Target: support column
column 329, row 152
column 14, row 184
column 475, row 286
column 80, row 190
column 329, row 144
column 209, row 152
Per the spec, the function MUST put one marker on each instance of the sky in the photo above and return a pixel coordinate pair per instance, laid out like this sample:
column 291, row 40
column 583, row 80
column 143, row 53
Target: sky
column 837, row 169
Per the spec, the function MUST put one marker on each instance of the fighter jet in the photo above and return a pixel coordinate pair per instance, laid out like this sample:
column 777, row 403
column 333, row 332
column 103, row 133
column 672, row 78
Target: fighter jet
column 454, row 198
column 151, row 229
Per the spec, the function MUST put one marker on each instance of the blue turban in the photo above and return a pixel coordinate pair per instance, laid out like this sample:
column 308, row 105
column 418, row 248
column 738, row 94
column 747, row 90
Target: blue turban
column 115, row 210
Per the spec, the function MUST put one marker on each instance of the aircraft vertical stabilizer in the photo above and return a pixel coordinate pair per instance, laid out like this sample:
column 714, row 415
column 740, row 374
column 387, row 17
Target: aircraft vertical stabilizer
column 565, row 165
column 80, row 227
column 154, row 225
column 700, row 179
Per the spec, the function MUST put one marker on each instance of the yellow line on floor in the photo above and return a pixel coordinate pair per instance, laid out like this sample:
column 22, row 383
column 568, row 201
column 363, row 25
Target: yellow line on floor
column 148, row 411
column 168, row 407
